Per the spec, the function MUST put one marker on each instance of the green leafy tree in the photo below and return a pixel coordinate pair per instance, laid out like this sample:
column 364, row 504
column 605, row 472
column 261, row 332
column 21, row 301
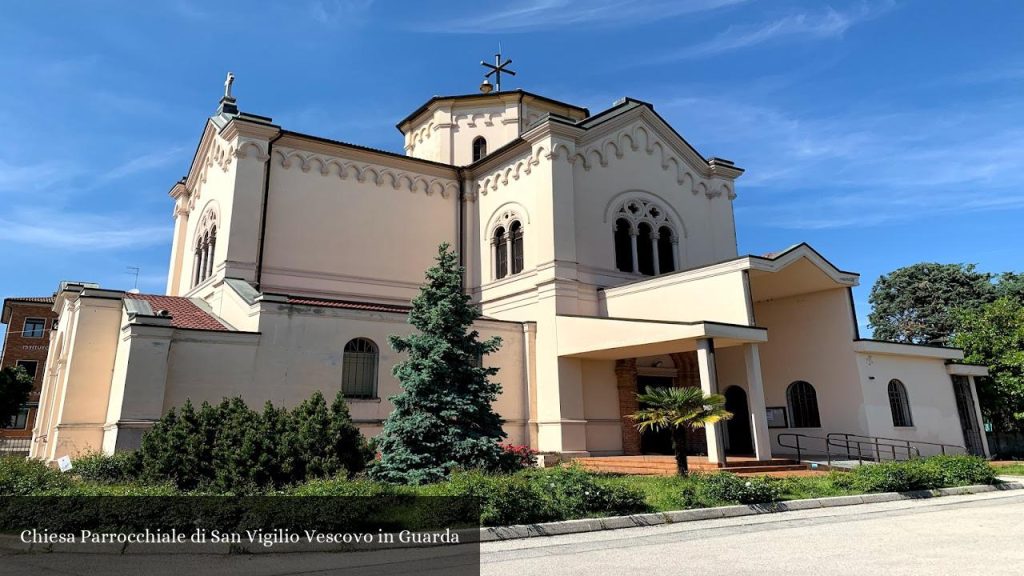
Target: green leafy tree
column 15, row 386
column 1011, row 285
column 916, row 304
column 443, row 417
column 678, row 410
column 993, row 336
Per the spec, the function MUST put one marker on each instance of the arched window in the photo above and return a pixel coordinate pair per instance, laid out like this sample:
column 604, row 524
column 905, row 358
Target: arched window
column 479, row 148
column 359, row 369
column 623, row 245
column 205, row 247
column 516, row 237
column 212, row 247
column 500, row 253
column 666, row 253
column 803, row 405
column 899, row 404
column 646, row 238
column 645, row 249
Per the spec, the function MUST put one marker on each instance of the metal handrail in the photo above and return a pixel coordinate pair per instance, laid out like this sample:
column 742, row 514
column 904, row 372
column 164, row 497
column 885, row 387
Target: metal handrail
column 907, row 443
column 799, row 450
column 859, row 446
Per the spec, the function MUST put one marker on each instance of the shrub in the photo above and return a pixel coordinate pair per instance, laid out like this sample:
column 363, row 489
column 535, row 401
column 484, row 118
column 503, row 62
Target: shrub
column 120, row 468
column 727, row 487
column 26, row 477
column 232, row 448
column 921, row 474
column 537, row 495
column 962, row 470
column 515, row 457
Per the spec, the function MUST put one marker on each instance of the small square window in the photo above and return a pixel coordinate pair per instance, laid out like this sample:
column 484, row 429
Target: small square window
column 34, row 328
column 30, row 367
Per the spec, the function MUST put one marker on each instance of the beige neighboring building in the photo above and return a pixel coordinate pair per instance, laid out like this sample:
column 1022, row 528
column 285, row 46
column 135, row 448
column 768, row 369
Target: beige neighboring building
column 600, row 247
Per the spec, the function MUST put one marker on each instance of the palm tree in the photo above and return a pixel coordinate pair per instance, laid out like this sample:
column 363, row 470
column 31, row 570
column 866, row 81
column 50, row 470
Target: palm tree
column 678, row 410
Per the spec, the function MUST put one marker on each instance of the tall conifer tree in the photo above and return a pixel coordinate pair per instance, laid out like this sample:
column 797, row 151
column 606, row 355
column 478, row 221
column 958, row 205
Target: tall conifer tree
column 443, row 418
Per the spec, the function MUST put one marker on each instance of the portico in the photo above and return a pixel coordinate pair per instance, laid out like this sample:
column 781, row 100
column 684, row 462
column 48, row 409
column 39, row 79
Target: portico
column 694, row 348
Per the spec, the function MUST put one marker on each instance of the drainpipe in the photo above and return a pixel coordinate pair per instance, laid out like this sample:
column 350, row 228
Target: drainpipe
column 263, row 209
column 462, row 225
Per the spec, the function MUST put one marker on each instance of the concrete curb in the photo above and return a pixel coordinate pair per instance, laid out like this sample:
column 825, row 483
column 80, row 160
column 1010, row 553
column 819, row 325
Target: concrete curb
column 501, row 533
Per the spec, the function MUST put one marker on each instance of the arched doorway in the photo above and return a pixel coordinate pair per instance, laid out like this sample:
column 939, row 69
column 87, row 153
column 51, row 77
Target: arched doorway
column 738, row 440
column 654, row 442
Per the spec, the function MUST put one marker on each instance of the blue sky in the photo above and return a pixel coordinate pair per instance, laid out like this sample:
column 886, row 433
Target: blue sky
column 882, row 132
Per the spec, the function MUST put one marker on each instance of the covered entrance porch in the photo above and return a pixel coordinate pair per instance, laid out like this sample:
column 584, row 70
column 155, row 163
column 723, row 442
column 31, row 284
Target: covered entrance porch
column 717, row 357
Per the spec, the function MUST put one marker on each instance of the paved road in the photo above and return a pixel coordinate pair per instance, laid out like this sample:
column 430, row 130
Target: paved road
column 980, row 534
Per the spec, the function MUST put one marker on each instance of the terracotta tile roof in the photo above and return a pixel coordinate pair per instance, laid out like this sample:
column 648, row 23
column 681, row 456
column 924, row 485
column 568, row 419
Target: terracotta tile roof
column 184, row 312
column 39, row 299
column 369, row 306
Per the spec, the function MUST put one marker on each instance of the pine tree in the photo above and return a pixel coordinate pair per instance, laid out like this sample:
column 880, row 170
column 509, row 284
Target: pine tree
column 443, row 418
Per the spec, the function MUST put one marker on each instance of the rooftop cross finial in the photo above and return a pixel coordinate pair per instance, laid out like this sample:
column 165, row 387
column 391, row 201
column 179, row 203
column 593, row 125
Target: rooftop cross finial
column 227, row 86
column 496, row 69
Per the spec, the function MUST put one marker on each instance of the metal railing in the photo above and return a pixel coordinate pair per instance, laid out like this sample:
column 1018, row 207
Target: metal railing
column 15, row 446
column 846, row 446
column 879, row 445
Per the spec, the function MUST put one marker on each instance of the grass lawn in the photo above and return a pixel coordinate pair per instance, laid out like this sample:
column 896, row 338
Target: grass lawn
column 1011, row 470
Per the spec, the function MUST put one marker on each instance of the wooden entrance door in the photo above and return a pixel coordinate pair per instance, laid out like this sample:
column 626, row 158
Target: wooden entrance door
column 737, row 439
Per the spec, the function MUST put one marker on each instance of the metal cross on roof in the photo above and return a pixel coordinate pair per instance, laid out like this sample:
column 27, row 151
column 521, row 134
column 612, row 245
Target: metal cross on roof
column 497, row 68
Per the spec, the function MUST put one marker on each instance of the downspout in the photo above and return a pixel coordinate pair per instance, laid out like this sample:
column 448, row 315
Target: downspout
column 263, row 209
column 462, row 225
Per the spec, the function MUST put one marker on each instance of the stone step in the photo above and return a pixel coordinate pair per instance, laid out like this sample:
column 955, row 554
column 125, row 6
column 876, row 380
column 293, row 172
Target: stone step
column 664, row 465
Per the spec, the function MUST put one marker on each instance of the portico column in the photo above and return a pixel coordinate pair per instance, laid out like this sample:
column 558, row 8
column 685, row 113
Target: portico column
column 709, row 385
column 977, row 415
column 755, row 396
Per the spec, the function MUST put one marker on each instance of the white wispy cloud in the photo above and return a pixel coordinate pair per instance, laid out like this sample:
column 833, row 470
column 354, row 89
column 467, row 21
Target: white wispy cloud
column 862, row 168
column 334, row 12
column 534, row 15
column 141, row 164
column 79, row 231
column 826, row 24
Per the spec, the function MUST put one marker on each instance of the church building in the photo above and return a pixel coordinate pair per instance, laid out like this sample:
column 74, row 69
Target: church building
column 601, row 247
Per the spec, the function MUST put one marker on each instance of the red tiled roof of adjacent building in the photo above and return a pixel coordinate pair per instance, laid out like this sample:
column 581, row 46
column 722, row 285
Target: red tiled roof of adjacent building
column 184, row 313
column 368, row 306
column 35, row 299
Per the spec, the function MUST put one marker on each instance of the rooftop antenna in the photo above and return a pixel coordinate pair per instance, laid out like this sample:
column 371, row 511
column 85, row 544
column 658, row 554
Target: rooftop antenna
column 134, row 270
column 495, row 70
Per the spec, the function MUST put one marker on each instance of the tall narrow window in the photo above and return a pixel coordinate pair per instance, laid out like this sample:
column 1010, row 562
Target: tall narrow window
column 212, row 252
column 516, row 233
column 645, row 249
column 479, row 148
column 623, row 246
column 359, row 369
column 899, row 404
column 197, row 266
column 500, row 253
column 666, row 255
column 803, row 405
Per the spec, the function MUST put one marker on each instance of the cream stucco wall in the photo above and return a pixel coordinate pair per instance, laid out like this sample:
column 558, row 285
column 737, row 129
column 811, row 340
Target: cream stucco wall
column 707, row 294
column 930, row 392
column 326, row 210
column 810, row 338
column 77, row 382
